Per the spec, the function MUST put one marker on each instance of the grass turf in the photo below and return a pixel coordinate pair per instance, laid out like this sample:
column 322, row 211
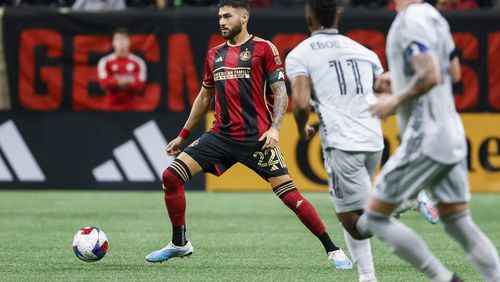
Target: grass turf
column 237, row 237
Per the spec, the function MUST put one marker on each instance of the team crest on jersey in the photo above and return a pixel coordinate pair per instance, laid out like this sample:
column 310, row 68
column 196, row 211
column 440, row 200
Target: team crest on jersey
column 277, row 60
column 245, row 55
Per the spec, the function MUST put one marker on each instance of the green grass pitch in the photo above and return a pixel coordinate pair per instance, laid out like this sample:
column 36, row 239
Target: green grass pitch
column 236, row 236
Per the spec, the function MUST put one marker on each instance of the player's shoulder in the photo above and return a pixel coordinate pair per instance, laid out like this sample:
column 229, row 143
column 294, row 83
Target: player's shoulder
column 263, row 43
column 107, row 58
column 418, row 14
column 214, row 49
column 133, row 57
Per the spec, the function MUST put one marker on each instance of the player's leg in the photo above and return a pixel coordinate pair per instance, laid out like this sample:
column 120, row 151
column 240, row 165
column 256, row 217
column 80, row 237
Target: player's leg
column 286, row 190
column 349, row 184
column 180, row 170
column 397, row 182
column 453, row 194
column 270, row 165
column 200, row 156
column 183, row 168
column 360, row 250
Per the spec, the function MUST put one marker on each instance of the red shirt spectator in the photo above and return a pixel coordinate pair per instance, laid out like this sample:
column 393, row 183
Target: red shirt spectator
column 122, row 75
column 456, row 4
column 260, row 3
column 447, row 5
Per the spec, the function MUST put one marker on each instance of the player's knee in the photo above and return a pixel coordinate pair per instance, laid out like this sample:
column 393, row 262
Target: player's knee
column 167, row 177
column 349, row 222
column 449, row 210
column 170, row 179
column 352, row 229
column 287, row 191
column 176, row 173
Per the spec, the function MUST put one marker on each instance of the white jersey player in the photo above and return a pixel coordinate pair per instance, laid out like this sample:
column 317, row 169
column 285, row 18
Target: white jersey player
column 341, row 74
column 433, row 148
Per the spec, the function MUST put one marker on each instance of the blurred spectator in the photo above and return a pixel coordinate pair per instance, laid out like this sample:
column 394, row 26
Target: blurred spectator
column 260, row 4
column 46, row 3
column 121, row 74
column 456, row 4
column 453, row 4
column 177, row 3
column 99, row 5
column 288, row 3
column 159, row 4
column 371, row 4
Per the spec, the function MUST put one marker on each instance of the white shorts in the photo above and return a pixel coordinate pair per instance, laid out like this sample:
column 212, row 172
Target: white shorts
column 349, row 177
column 401, row 179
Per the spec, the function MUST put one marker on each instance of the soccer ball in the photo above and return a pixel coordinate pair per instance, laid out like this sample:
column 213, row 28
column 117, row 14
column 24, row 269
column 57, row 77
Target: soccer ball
column 90, row 244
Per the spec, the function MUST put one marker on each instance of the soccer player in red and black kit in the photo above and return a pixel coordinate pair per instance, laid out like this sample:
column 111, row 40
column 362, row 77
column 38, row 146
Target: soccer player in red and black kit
column 238, row 75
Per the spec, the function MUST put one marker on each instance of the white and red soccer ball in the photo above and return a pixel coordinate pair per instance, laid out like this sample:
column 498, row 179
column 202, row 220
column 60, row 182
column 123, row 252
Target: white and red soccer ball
column 90, row 244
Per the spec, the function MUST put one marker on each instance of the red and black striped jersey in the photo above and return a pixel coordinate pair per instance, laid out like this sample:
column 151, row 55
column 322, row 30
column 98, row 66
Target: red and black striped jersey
column 241, row 75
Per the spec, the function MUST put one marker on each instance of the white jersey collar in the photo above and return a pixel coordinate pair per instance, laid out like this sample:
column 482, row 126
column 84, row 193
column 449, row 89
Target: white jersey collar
column 329, row 31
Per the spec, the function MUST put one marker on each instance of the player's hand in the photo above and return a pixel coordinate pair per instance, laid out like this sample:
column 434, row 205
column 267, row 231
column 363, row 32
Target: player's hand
column 174, row 147
column 123, row 81
column 383, row 83
column 271, row 138
column 307, row 133
column 385, row 106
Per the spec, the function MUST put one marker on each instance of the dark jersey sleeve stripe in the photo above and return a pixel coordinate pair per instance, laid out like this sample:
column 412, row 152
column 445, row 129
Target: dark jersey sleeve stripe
column 276, row 76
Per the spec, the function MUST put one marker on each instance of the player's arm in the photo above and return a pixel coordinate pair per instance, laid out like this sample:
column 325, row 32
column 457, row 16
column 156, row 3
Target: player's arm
column 301, row 96
column 383, row 83
column 138, row 81
column 271, row 137
column 426, row 75
column 201, row 106
column 454, row 69
column 275, row 75
column 280, row 103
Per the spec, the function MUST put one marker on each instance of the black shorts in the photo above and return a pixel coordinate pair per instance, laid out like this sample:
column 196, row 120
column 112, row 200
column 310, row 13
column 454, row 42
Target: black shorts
column 216, row 154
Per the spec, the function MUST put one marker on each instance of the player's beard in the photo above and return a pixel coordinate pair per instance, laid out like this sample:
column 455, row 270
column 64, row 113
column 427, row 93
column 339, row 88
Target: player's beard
column 232, row 32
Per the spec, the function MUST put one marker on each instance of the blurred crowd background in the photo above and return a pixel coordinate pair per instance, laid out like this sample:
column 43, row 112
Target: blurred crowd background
column 101, row 5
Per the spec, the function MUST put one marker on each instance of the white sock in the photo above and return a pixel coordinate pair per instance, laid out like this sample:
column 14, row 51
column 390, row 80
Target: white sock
column 405, row 243
column 361, row 254
column 482, row 252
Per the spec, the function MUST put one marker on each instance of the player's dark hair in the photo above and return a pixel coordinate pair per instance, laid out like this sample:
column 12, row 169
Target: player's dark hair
column 234, row 3
column 120, row 30
column 325, row 11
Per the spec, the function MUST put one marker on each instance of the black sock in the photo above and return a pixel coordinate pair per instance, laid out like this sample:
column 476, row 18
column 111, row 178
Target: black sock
column 179, row 237
column 328, row 243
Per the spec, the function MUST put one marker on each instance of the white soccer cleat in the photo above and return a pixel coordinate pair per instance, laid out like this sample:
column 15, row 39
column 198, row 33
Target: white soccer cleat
column 170, row 251
column 339, row 259
column 427, row 207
